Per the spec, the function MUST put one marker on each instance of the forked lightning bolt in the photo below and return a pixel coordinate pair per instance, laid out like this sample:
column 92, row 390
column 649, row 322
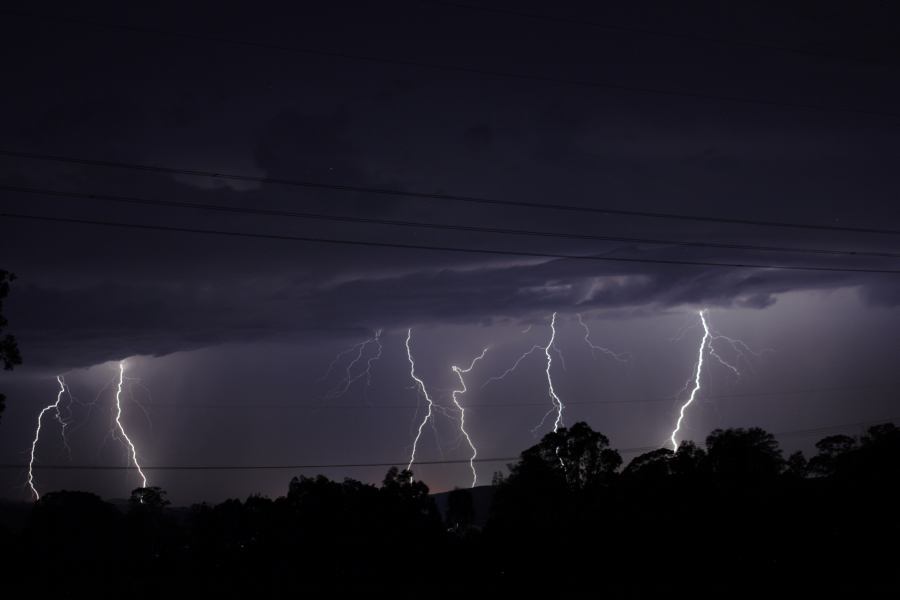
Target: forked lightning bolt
column 421, row 386
column 706, row 346
column 121, row 428
column 37, row 433
column 462, row 411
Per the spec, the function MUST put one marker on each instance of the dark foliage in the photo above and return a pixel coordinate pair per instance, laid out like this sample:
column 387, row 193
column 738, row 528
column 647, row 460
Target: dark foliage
column 733, row 519
column 9, row 347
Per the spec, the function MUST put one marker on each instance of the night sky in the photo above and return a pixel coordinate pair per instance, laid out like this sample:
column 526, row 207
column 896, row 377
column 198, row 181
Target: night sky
column 764, row 111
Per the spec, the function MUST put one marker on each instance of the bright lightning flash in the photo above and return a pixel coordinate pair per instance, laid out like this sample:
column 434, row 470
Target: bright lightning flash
column 557, row 403
column 37, row 432
column 121, row 428
column 462, row 411
column 421, row 386
column 706, row 346
column 697, row 374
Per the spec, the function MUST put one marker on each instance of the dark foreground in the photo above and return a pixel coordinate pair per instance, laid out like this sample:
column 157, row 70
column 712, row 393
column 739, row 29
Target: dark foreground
column 733, row 520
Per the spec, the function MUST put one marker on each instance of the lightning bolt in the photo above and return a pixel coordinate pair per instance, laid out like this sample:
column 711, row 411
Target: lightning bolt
column 595, row 348
column 557, row 403
column 121, row 428
column 462, row 411
column 421, row 386
column 697, row 374
column 37, row 433
column 710, row 336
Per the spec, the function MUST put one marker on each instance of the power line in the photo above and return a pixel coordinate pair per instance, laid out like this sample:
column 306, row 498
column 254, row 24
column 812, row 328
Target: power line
column 272, row 467
column 437, row 196
column 317, row 407
column 436, row 248
column 397, row 463
column 437, row 226
column 674, row 35
column 615, row 87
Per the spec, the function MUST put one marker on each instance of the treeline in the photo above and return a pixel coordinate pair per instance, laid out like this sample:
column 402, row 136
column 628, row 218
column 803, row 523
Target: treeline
column 735, row 518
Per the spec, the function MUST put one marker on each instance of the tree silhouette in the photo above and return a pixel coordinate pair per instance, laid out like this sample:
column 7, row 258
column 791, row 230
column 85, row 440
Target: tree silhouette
column 880, row 451
column 796, row 466
column 835, row 452
column 651, row 466
column 579, row 455
column 9, row 347
column 733, row 519
column 745, row 455
column 689, row 462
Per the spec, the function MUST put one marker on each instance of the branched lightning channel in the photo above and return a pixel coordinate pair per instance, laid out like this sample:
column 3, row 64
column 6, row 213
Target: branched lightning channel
column 696, row 388
column 421, row 385
column 121, row 428
column 740, row 349
column 349, row 377
column 371, row 359
column 595, row 348
column 131, row 397
column 503, row 375
column 562, row 358
column 462, row 411
column 722, row 361
column 37, row 433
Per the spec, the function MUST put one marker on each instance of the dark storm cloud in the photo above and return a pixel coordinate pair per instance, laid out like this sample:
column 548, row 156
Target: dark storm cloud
column 479, row 137
column 283, row 115
column 113, row 320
